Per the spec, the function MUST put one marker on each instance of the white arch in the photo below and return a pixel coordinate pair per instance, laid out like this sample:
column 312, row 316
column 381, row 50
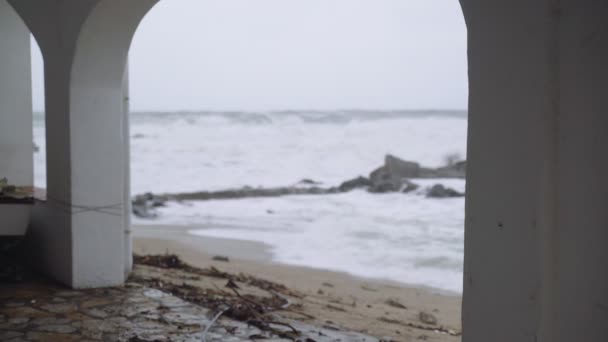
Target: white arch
column 82, row 226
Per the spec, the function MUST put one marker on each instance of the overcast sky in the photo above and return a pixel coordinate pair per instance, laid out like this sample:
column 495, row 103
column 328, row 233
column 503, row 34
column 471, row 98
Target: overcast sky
column 297, row 54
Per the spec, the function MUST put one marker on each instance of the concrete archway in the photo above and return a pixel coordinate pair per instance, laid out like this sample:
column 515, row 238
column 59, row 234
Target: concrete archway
column 81, row 228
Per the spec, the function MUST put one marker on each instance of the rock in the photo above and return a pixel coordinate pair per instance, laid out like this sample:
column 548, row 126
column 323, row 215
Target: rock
column 393, row 176
column 383, row 180
column 308, row 181
column 440, row 191
column 143, row 206
column 359, row 182
column 408, row 186
column 400, row 168
column 395, row 304
column 455, row 170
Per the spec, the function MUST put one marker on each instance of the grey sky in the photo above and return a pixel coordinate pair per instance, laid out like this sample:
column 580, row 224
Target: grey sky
column 298, row 54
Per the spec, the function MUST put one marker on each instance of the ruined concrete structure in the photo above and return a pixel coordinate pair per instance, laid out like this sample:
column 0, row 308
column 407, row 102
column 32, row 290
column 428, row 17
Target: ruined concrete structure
column 536, row 264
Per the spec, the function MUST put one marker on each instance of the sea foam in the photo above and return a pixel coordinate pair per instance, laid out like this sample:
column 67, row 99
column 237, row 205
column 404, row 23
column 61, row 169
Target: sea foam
column 402, row 237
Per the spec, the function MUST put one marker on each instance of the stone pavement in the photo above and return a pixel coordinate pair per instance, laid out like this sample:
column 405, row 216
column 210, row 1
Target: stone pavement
column 39, row 311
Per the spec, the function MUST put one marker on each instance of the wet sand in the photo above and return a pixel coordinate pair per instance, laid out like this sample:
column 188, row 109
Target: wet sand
column 375, row 307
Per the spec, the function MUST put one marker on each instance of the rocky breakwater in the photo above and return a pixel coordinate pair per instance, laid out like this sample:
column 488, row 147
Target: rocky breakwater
column 394, row 176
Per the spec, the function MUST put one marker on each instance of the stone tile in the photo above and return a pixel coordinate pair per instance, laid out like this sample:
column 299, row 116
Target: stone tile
column 18, row 320
column 23, row 312
column 54, row 337
column 62, row 329
column 119, row 314
column 153, row 293
column 69, row 294
column 59, row 308
column 96, row 313
column 14, row 304
column 95, row 302
column 50, row 321
column 5, row 335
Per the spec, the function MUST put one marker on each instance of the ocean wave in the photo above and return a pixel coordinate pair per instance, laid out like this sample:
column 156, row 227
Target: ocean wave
column 283, row 117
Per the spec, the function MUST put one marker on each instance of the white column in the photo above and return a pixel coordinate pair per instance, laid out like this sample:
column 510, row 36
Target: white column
column 127, row 176
column 16, row 140
column 580, row 238
column 85, row 45
column 536, row 262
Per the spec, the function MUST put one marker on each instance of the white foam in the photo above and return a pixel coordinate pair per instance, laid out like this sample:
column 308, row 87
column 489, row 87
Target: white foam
column 406, row 238
column 197, row 153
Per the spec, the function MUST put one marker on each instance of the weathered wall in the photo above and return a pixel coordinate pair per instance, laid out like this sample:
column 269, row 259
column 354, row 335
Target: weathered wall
column 536, row 221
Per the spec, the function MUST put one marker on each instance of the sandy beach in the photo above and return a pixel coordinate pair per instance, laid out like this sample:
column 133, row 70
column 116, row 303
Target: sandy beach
column 379, row 308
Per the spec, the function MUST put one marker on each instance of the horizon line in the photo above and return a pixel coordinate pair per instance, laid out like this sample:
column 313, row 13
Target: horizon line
column 286, row 110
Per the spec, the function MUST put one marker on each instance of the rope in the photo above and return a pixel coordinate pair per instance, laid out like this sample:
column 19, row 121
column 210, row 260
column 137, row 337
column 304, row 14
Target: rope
column 75, row 209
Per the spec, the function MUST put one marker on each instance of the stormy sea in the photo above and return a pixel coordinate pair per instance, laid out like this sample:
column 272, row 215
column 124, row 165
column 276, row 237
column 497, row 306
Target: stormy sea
column 404, row 237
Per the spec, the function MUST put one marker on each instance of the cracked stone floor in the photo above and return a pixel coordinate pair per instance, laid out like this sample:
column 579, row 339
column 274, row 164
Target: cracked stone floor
column 42, row 311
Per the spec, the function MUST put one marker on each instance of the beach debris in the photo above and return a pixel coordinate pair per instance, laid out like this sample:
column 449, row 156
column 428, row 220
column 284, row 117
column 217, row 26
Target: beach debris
column 255, row 310
column 335, row 308
column 173, row 261
column 215, row 318
column 395, row 304
column 233, row 286
column 389, row 320
column 161, row 261
column 436, row 329
column 427, row 318
column 328, row 285
column 366, row 287
column 221, row 258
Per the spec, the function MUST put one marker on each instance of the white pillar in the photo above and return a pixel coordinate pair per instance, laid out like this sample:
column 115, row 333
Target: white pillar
column 127, row 176
column 16, row 140
column 580, row 235
column 82, row 226
column 536, row 262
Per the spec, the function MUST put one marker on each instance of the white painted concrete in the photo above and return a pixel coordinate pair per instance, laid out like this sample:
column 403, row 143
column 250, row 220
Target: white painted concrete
column 16, row 136
column 126, row 135
column 536, row 265
column 15, row 219
column 85, row 45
